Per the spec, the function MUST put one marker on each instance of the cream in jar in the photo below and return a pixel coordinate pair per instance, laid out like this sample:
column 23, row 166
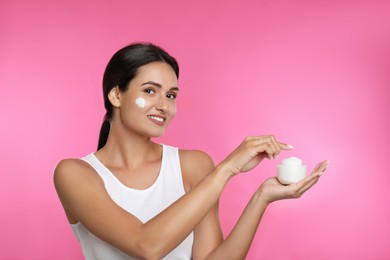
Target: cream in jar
column 291, row 170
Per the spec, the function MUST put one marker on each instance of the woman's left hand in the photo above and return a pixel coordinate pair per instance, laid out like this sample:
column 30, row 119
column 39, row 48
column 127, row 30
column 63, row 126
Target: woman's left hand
column 272, row 190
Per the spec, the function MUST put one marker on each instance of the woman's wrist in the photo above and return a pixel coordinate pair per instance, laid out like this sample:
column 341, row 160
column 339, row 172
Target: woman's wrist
column 260, row 197
column 222, row 173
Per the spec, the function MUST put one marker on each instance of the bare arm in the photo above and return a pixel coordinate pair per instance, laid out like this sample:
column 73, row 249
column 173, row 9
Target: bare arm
column 195, row 166
column 78, row 186
column 237, row 244
column 83, row 194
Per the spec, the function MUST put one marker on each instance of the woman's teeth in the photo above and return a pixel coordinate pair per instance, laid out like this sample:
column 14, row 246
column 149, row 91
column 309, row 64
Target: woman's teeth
column 157, row 118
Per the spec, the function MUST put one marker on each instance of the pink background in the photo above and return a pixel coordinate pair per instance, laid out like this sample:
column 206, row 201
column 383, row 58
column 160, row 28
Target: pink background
column 313, row 73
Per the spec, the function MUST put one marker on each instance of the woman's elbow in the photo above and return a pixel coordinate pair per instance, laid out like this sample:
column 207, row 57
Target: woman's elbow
column 147, row 249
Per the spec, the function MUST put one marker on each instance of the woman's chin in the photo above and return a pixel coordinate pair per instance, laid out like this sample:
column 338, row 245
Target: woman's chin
column 156, row 134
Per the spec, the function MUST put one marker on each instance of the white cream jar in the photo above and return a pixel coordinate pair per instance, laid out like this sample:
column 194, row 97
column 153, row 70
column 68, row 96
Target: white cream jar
column 291, row 170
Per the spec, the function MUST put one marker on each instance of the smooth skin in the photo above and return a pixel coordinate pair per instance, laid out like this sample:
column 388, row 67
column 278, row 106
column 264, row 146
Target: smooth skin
column 135, row 160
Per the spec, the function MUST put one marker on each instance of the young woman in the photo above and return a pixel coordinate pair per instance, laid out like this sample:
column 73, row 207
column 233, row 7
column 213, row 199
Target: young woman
column 136, row 199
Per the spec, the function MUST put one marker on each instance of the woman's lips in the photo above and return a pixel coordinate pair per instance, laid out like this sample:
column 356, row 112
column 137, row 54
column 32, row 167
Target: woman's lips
column 159, row 120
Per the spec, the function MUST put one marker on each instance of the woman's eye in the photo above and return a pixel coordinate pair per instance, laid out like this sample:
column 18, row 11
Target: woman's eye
column 150, row 91
column 171, row 96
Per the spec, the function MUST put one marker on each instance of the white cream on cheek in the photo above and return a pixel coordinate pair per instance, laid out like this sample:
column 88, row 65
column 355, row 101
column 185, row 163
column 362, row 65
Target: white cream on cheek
column 140, row 102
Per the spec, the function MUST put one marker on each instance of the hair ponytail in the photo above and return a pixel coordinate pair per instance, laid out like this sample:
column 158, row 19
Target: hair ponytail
column 104, row 131
column 122, row 68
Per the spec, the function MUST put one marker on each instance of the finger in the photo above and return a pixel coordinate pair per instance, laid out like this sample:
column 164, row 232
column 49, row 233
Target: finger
column 268, row 150
column 312, row 179
column 299, row 185
column 299, row 188
column 264, row 144
column 284, row 146
column 275, row 146
column 271, row 151
column 250, row 138
column 317, row 168
column 308, row 185
column 321, row 167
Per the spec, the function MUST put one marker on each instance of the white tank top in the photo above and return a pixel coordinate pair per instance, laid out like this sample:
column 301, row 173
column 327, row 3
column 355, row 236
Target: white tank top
column 144, row 204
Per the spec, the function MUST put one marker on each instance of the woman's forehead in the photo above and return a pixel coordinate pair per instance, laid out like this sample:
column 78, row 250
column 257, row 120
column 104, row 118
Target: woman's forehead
column 158, row 72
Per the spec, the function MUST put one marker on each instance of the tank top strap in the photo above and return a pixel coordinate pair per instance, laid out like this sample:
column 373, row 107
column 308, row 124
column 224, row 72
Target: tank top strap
column 97, row 166
column 144, row 204
column 171, row 174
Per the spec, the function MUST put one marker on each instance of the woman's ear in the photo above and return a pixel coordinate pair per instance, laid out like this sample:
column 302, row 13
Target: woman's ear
column 114, row 96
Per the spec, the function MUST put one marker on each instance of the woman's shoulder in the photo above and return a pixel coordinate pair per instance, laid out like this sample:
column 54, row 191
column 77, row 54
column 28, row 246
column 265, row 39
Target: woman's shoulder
column 71, row 169
column 195, row 165
column 195, row 156
column 70, row 164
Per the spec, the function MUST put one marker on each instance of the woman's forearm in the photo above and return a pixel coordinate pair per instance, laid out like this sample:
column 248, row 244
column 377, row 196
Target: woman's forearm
column 237, row 244
column 176, row 222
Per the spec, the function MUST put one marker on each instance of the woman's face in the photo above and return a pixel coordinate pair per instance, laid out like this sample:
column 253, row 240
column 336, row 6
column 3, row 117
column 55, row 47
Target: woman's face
column 149, row 104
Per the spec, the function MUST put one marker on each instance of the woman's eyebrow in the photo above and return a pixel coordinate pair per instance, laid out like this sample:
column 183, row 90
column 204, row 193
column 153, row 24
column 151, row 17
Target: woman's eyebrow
column 158, row 85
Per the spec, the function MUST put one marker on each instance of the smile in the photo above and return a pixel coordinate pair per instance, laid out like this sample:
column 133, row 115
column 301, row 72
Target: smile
column 157, row 118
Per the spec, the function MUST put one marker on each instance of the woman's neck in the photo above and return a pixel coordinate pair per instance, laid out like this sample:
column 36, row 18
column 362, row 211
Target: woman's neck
column 129, row 149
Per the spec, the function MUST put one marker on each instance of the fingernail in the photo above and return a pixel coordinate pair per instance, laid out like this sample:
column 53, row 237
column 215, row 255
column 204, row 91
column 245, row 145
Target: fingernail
column 289, row 146
column 276, row 157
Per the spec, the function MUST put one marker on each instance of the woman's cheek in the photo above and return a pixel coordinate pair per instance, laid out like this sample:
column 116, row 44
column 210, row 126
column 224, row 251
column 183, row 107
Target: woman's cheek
column 140, row 102
column 173, row 110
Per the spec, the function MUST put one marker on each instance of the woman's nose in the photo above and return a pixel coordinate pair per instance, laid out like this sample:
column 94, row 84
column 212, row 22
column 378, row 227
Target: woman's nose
column 162, row 104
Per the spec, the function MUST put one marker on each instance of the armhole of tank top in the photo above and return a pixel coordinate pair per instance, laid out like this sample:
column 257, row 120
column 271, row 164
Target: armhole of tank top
column 180, row 174
column 74, row 225
column 89, row 159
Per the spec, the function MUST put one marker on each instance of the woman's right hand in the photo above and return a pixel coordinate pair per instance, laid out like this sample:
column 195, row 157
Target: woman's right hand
column 251, row 152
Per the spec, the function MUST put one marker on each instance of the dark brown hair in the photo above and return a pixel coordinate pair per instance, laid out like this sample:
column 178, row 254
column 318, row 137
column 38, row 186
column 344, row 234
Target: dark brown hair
column 122, row 68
